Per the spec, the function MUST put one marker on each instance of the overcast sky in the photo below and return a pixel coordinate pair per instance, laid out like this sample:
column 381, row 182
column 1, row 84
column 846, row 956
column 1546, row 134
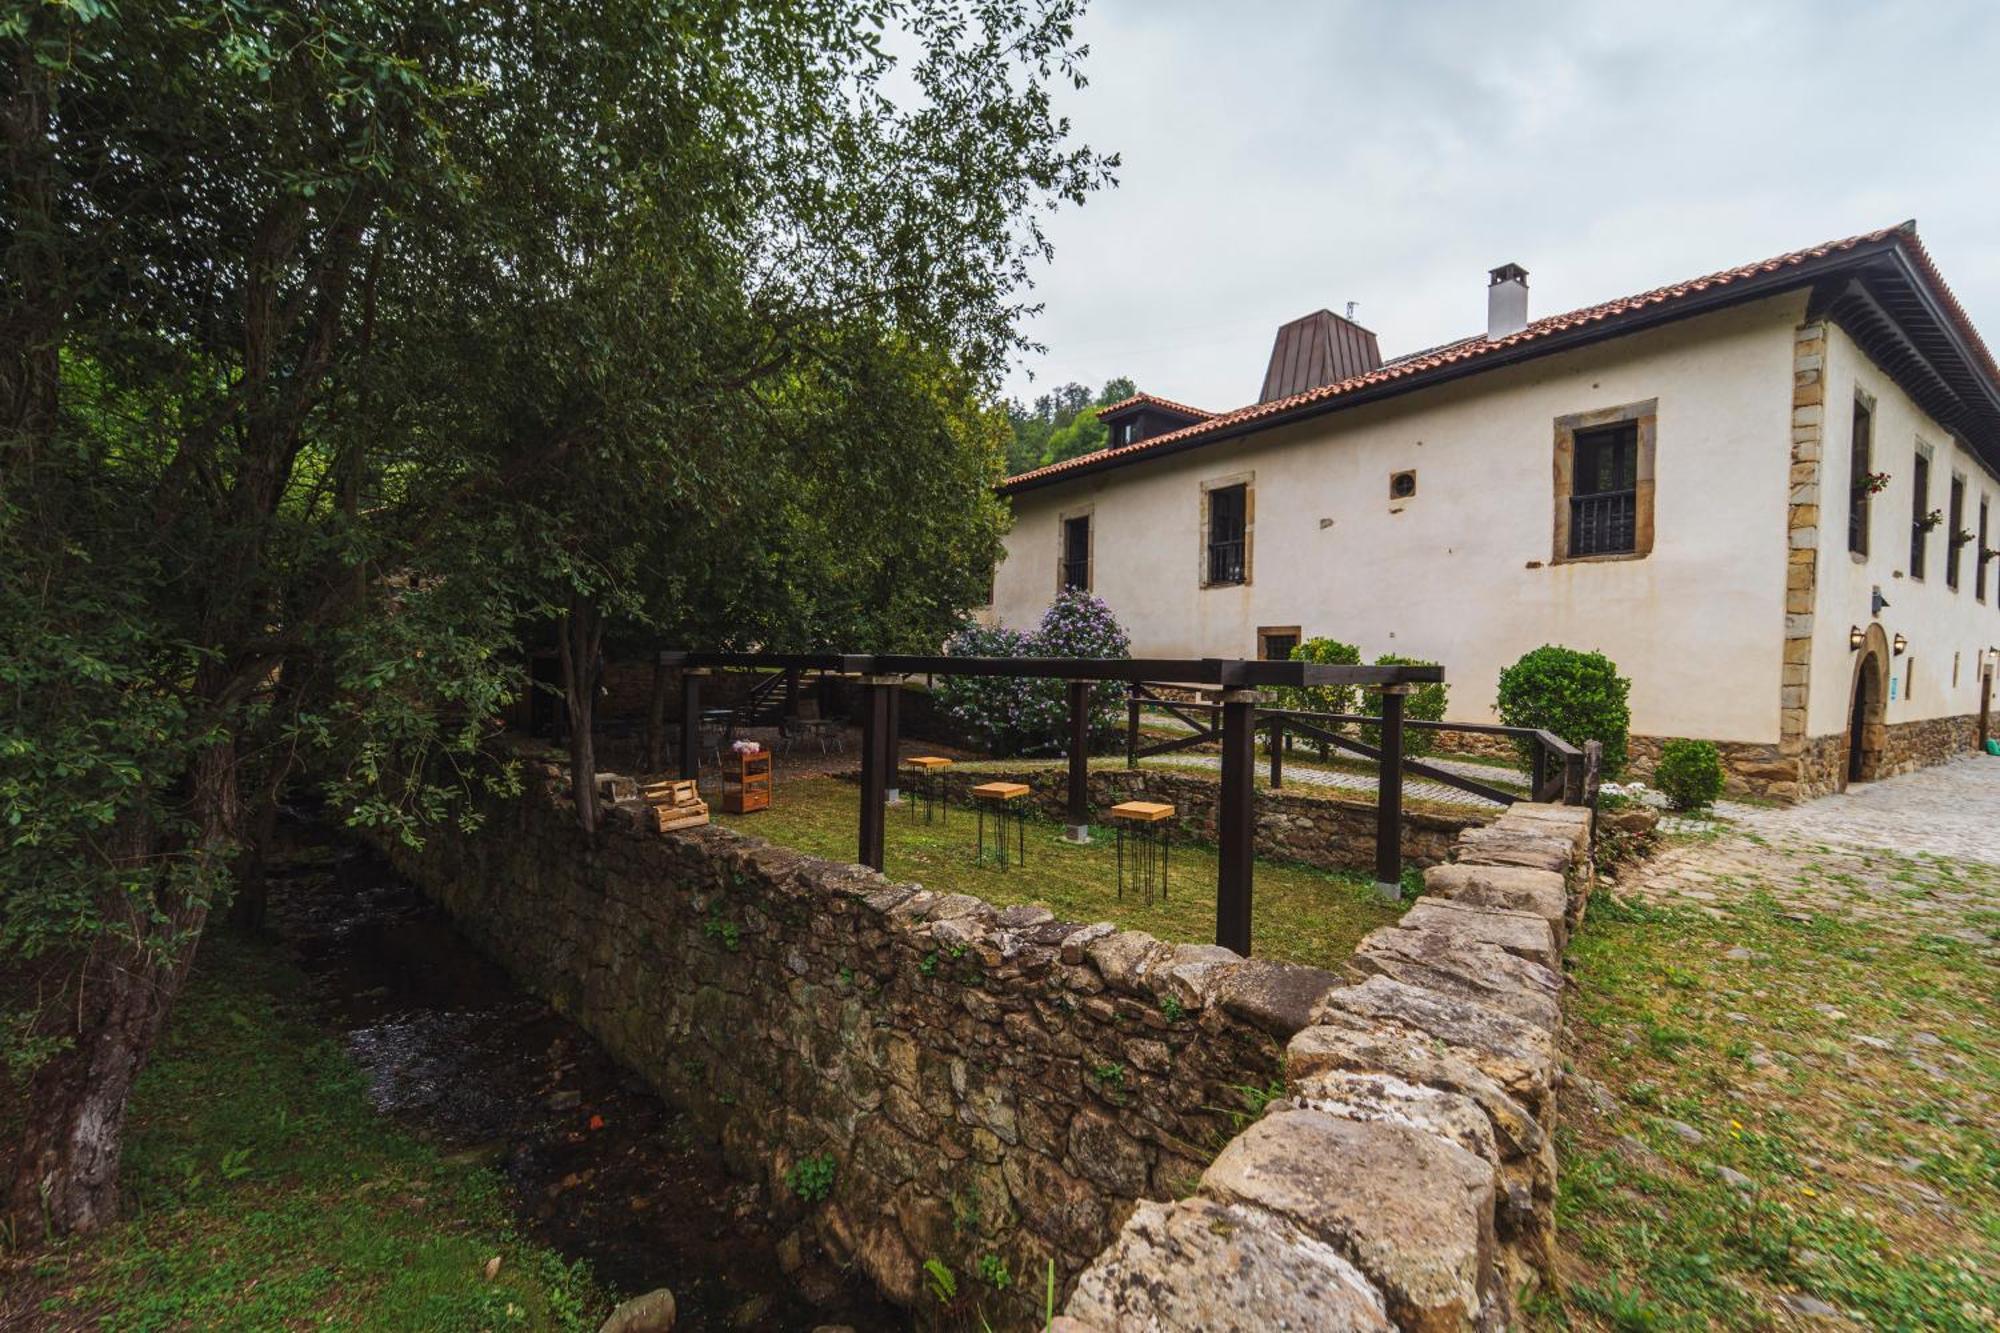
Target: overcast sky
column 1283, row 157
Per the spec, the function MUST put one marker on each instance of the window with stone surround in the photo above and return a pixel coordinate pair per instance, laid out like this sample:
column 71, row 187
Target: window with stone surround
column 1860, row 474
column 1073, row 560
column 1275, row 642
column 1979, row 556
column 1954, row 524
column 1227, row 520
column 1920, row 508
column 1604, row 483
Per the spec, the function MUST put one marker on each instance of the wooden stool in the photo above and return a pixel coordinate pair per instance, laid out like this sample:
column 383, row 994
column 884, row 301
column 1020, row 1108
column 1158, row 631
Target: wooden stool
column 927, row 779
column 1001, row 800
column 1150, row 823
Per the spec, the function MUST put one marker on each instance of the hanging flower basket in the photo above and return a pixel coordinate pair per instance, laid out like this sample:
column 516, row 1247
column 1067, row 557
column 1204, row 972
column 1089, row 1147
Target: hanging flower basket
column 1930, row 521
column 1874, row 483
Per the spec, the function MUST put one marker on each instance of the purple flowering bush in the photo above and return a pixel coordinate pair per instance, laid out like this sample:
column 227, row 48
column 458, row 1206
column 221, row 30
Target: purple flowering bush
column 1023, row 717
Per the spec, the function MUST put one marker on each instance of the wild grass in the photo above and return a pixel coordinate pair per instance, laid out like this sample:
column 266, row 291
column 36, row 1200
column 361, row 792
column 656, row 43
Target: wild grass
column 263, row 1191
column 1299, row 913
column 1840, row 1083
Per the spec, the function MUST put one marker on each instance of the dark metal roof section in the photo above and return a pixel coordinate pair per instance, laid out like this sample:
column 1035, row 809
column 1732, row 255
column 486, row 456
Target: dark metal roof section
column 1320, row 348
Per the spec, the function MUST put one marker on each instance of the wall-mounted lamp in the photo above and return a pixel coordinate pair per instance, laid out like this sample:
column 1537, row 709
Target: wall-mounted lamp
column 1877, row 602
column 1856, row 636
column 1898, row 644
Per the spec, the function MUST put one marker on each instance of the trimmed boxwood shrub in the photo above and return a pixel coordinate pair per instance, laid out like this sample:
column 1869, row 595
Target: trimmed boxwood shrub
column 1689, row 774
column 1011, row 716
column 1424, row 703
column 1577, row 695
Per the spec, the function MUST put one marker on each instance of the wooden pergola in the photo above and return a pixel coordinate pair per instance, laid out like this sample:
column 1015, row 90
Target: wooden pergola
column 1234, row 682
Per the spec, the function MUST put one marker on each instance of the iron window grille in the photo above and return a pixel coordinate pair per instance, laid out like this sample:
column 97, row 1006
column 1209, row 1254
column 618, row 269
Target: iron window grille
column 1955, row 524
column 1604, row 492
column 1859, row 479
column 1076, row 553
column 1979, row 557
column 1278, row 647
column 1226, row 534
column 1920, row 499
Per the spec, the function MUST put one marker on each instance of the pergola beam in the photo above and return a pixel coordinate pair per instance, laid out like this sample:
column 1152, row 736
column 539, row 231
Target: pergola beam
column 1221, row 672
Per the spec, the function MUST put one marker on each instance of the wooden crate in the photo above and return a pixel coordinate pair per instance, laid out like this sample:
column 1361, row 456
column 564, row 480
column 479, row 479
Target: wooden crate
column 672, row 791
column 669, row 817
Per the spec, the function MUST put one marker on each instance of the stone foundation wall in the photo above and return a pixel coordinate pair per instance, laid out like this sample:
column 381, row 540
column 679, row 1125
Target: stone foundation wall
column 1323, row 831
column 983, row 1082
column 1748, row 768
column 1913, row 745
column 1820, row 766
column 1407, row 1180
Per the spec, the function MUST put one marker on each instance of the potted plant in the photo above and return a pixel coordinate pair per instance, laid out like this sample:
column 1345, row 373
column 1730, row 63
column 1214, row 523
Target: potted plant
column 1930, row 521
column 1874, row 483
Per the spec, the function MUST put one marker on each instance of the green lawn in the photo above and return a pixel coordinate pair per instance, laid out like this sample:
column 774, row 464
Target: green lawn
column 262, row 1192
column 1299, row 914
column 1804, row 1102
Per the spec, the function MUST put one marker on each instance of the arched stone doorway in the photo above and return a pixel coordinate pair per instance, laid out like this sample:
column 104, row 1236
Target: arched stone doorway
column 1865, row 708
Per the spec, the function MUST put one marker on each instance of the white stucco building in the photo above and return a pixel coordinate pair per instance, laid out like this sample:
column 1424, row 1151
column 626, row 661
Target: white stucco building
column 1770, row 495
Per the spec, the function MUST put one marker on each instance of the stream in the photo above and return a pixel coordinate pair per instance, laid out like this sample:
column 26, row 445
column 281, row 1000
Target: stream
column 595, row 1165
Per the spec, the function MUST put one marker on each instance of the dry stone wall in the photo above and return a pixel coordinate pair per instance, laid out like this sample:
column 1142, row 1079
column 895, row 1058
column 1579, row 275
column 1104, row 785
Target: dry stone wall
column 981, row 1082
column 1407, row 1179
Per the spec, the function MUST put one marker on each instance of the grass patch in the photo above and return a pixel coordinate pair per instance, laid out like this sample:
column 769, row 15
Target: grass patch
column 1840, row 1083
column 263, row 1191
column 1301, row 914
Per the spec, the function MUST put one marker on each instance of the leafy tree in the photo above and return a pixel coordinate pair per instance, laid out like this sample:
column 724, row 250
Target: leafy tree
column 1062, row 424
column 347, row 344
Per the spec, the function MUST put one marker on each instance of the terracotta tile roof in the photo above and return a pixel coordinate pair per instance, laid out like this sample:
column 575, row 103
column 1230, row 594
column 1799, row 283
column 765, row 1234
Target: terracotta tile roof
column 1143, row 399
column 1451, row 355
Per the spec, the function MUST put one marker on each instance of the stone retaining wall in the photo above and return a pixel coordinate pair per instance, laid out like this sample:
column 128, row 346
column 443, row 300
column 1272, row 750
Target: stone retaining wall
column 983, row 1082
column 1325, row 831
column 1407, row 1180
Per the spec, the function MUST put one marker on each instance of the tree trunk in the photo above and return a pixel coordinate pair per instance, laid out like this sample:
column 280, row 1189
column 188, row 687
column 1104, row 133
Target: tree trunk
column 579, row 637
column 656, row 718
column 66, row 1168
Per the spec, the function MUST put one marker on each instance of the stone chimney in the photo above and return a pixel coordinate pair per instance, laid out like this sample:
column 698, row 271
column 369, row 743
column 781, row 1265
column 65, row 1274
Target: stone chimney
column 1506, row 301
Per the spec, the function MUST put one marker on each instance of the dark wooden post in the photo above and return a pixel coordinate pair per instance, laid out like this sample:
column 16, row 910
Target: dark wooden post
column 893, row 751
column 691, row 721
column 1538, row 771
column 1573, row 778
column 877, row 700
column 1985, row 706
column 1132, row 727
column 1079, row 761
column 791, row 693
column 1277, row 725
column 1237, row 822
column 1389, row 797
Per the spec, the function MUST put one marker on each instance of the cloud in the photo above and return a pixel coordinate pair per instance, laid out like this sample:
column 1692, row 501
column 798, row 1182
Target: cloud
column 1281, row 158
